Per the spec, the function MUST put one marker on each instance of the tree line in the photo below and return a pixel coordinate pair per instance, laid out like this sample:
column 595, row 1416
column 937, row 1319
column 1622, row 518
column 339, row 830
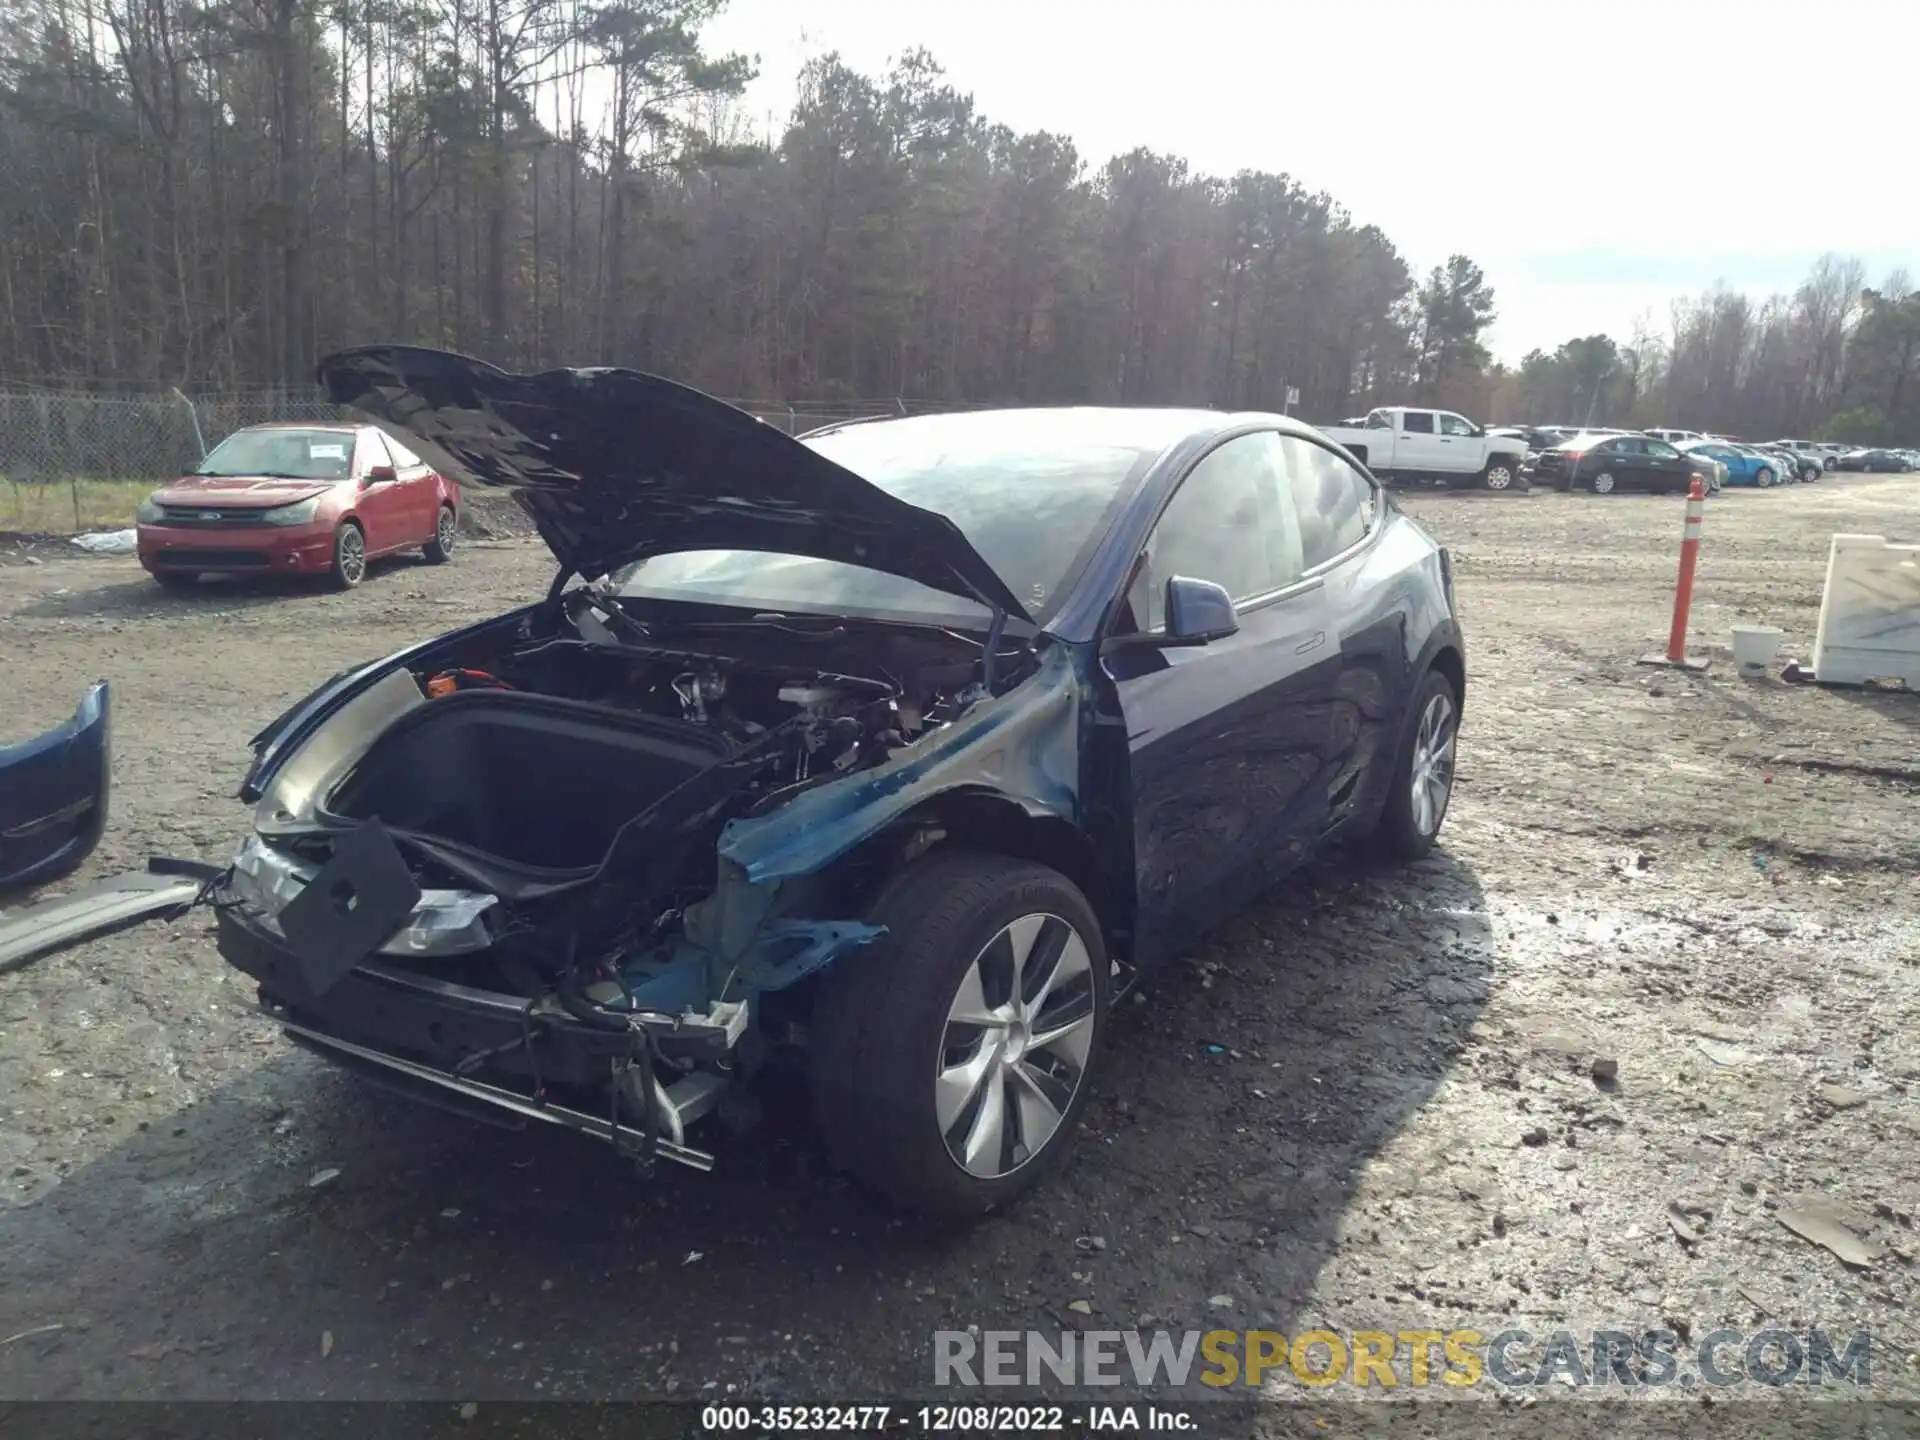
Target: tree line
column 213, row 192
column 1836, row 360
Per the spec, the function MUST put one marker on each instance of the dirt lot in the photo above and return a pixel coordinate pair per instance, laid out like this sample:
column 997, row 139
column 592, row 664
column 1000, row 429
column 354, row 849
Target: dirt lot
column 1368, row 1105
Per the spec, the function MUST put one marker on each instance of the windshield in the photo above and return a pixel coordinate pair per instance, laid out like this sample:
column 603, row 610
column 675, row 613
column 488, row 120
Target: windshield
column 282, row 454
column 1033, row 499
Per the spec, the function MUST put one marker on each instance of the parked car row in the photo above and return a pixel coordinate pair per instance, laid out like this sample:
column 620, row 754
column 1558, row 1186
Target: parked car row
column 1605, row 459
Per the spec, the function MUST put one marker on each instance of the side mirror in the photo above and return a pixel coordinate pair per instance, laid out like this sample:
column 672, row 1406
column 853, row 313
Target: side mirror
column 1198, row 611
column 379, row 475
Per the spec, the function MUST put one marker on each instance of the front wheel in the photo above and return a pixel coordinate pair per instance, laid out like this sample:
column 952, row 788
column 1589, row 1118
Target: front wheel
column 1499, row 474
column 1603, row 483
column 950, row 1057
column 1423, row 778
column 349, row 557
column 1763, row 478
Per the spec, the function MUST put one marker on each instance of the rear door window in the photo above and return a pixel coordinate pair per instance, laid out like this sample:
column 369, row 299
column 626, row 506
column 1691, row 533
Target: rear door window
column 1333, row 503
column 402, row 456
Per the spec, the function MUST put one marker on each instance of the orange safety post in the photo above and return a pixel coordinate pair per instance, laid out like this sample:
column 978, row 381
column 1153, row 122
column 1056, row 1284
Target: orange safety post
column 1689, row 559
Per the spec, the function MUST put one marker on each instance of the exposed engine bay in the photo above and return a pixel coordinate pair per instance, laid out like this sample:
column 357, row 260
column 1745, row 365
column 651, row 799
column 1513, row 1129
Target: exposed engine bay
column 556, row 796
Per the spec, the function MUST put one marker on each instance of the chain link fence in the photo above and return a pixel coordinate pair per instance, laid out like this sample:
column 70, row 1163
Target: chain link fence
column 62, row 436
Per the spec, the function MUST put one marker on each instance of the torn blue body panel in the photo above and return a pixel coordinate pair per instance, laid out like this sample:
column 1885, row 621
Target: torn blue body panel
column 1023, row 746
column 682, row 975
column 53, row 795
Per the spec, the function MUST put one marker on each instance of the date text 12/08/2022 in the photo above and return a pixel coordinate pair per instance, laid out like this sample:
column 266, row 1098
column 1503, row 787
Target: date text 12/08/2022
column 944, row 1419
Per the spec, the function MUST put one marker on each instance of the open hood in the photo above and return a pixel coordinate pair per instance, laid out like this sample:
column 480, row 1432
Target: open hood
column 615, row 466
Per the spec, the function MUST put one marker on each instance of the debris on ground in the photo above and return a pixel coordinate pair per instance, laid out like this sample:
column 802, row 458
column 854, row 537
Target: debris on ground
column 108, row 542
column 1839, row 1097
column 29, row 1334
column 1823, row 1222
column 1722, row 1054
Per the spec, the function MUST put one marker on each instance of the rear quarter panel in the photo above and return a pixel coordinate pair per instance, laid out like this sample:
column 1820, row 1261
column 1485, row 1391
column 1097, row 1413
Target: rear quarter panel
column 1395, row 617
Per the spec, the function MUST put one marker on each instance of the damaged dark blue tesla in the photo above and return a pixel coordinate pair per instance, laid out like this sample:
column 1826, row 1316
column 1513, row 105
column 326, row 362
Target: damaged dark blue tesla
column 902, row 749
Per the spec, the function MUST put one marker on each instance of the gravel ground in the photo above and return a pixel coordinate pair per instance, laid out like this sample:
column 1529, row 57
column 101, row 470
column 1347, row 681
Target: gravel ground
column 1370, row 1103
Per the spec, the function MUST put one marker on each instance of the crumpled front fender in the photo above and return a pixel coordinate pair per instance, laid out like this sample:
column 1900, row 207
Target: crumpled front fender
column 1023, row 746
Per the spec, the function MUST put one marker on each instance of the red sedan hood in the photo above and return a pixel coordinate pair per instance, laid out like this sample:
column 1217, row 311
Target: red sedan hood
column 240, row 491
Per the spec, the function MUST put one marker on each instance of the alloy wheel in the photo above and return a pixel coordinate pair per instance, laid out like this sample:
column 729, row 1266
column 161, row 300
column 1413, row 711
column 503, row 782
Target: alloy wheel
column 1499, row 477
column 352, row 552
column 1603, row 483
column 444, row 532
column 1432, row 769
column 1014, row 1051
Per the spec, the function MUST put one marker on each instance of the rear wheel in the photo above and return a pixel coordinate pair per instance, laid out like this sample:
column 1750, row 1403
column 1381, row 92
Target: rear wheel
column 349, row 556
column 439, row 550
column 950, row 1057
column 1423, row 778
column 1603, row 483
column 1499, row 474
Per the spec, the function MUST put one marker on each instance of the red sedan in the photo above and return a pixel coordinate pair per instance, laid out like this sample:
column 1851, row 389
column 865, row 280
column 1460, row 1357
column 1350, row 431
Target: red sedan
column 298, row 500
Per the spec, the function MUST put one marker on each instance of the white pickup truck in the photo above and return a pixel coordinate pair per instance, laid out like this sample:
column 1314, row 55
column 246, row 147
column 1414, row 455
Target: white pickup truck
column 1398, row 442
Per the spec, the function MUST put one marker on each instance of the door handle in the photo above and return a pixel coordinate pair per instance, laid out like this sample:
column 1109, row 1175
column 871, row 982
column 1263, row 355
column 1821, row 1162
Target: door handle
column 1314, row 644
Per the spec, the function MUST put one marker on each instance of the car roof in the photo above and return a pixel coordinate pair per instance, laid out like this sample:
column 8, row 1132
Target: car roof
column 1144, row 428
column 337, row 426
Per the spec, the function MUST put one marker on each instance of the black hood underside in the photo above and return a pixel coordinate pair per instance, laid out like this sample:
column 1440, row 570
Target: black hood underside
column 615, row 466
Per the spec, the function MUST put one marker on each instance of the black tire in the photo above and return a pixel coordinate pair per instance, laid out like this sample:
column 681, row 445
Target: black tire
column 1500, row 474
column 1603, row 483
column 881, row 1020
column 1763, row 477
column 1400, row 833
column 179, row 582
column 439, row 550
column 349, row 556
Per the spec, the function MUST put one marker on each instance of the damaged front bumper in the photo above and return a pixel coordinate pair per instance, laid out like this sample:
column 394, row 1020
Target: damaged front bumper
column 386, row 1021
column 442, row 922
column 482, row 1101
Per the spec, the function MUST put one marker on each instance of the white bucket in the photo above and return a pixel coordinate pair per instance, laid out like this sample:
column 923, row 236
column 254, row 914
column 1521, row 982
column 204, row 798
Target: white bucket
column 1754, row 646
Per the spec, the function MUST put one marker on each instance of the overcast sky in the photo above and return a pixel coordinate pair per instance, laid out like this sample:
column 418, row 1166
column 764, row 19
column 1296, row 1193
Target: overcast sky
column 1597, row 160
